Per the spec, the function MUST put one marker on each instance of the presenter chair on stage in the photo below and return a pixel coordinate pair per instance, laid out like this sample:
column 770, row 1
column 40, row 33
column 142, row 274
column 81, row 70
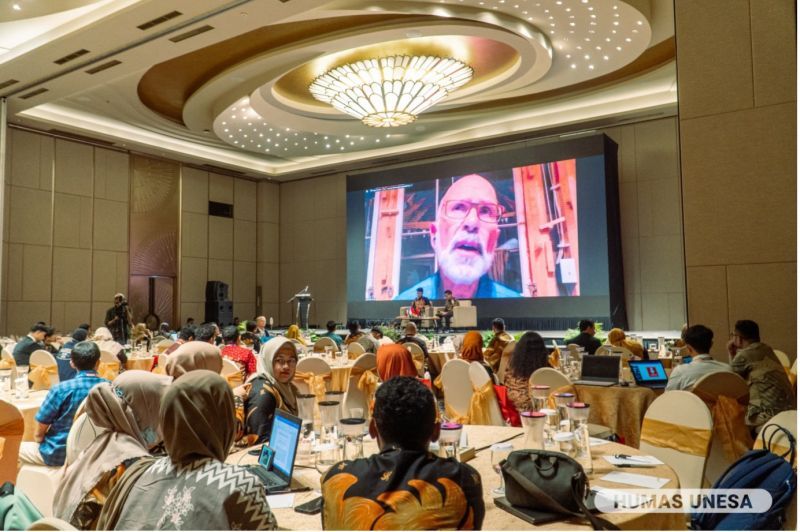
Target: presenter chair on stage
column 464, row 239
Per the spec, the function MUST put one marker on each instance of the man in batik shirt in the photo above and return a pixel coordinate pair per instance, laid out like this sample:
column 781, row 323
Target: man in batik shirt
column 404, row 487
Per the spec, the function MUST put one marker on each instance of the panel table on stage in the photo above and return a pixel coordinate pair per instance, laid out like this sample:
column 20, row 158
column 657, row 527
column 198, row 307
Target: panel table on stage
column 481, row 438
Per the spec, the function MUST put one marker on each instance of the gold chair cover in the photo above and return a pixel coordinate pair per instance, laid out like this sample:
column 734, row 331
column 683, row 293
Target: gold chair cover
column 108, row 370
column 40, row 376
column 684, row 439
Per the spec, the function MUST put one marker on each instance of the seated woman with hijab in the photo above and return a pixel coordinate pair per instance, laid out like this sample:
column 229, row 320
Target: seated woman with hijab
column 293, row 334
column 529, row 355
column 616, row 337
column 193, row 356
column 192, row 488
column 127, row 413
column 271, row 388
column 472, row 351
column 394, row 360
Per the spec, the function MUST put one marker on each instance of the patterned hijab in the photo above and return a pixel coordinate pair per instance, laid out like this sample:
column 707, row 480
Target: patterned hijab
column 192, row 356
column 394, row 360
column 127, row 413
column 197, row 417
column 288, row 391
column 293, row 333
column 472, row 347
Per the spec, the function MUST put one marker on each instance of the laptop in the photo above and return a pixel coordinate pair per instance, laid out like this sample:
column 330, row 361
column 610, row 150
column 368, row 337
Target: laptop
column 649, row 373
column 276, row 461
column 599, row 370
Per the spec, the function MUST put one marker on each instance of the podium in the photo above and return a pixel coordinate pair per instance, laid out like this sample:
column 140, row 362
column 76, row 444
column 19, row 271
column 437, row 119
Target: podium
column 302, row 301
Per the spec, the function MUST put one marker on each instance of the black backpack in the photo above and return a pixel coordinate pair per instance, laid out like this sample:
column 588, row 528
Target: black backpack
column 758, row 468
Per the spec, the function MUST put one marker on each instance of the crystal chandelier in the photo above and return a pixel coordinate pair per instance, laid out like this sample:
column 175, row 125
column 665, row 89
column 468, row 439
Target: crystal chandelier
column 390, row 91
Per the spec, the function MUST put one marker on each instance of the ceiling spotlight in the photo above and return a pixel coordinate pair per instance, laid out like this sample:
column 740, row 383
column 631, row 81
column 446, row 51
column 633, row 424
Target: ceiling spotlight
column 390, row 91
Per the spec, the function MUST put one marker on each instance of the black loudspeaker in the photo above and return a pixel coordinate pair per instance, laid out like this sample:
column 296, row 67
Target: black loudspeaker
column 220, row 312
column 216, row 291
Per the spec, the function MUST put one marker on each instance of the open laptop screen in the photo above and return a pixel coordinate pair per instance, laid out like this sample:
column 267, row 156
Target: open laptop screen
column 648, row 371
column 283, row 440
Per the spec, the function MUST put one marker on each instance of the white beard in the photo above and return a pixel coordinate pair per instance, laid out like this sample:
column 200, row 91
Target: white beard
column 464, row 270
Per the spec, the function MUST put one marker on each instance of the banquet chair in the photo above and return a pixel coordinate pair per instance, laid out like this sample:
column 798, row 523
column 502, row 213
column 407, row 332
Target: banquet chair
column 480, row 378
column 7, row 354
column 51, row 523
column 311, row 365
column 13, row 427
column 457, row 388
column 44, row 363
column 109, row 366
column 418, row 355
column 231, row 372
column 40, row 482
column 677, row 430
column 163, row 345
column 549, row 377
column 356, row 397
column 783, row 358
column 322, row 343
column 780, row 443
column 709, row 388
column 793, row 375
column 354, row 350
column 504, row 358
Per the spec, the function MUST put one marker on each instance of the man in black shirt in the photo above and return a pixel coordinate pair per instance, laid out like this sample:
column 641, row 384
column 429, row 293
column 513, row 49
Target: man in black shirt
column 586, row 338
column 119, row 319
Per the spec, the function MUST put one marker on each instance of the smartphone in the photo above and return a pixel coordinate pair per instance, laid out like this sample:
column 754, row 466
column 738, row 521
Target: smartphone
column 311, row 507
column 266, row 456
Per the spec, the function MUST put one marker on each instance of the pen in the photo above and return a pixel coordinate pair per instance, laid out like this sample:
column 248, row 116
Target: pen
column 642, row 466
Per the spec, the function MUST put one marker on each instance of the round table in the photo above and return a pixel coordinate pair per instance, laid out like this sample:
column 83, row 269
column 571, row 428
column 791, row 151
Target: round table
column 142, row 363
column 481, row 437
column 620, row 408
column 28, row 407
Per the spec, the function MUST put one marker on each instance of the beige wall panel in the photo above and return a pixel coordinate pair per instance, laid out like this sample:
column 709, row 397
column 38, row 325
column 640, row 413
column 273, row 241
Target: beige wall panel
column 629, row 210
column 677, row 309
column 340, row 199
column 73, row 221
column 633, row 304
column 268, row 246
column 656, row 153
column 110, row 225
column 773, row 29
column 99, row 308
column 325, row 197
column 13, row 273
column 766, row 294
column 36, row 263
column 30, row 160
column 72, row 274
column 288, row 239
column 194, row 190
column 715, row 72
column 23, row 314
column 244, row 310
column 625, row 138
column 707, row 294
column 244, row 281
column 631, row 267
column 193, row 310
column 220, row 238
column 655, row 311
column 270, row 310
column 74, row 168
column 122, row 273
column 740, row 188
column 75, row 313
column 661, row 264
column 267, row 278
column 245, row 194
column 659, row 207
column 220, row 270
column 268, row 202
column 30, row 217
column 292, row 202
column 194, row 234
column 321, row 237
column 194, row 274
column 104, row 274
column 220, row 188
column 57, row 319
column 111, row 175
column 7, row 212
column 245, row 240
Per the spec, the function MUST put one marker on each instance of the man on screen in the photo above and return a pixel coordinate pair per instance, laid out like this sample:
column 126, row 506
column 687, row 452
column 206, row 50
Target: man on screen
column 464, row 238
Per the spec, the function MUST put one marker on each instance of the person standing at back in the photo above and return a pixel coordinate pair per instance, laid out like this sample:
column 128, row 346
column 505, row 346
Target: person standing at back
column 770, row 390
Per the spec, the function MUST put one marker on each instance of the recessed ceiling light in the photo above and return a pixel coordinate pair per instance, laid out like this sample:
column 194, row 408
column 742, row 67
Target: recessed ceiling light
column 16, row 7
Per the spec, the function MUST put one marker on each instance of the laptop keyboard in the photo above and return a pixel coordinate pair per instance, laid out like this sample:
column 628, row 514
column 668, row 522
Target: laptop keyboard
column 268, row 479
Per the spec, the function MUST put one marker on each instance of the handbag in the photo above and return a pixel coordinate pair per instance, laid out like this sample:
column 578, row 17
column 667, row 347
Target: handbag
column 550, row 482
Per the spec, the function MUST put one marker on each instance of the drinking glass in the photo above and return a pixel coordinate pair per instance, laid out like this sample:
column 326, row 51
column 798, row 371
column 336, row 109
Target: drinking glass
column 352, row 431
column 500, row 452
column 550, row 427
column 328, row 352
column 326, row 455
column 540, row 393
column 5, row 381
column 449, row 437
column 21, row 382
column 356, row 412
